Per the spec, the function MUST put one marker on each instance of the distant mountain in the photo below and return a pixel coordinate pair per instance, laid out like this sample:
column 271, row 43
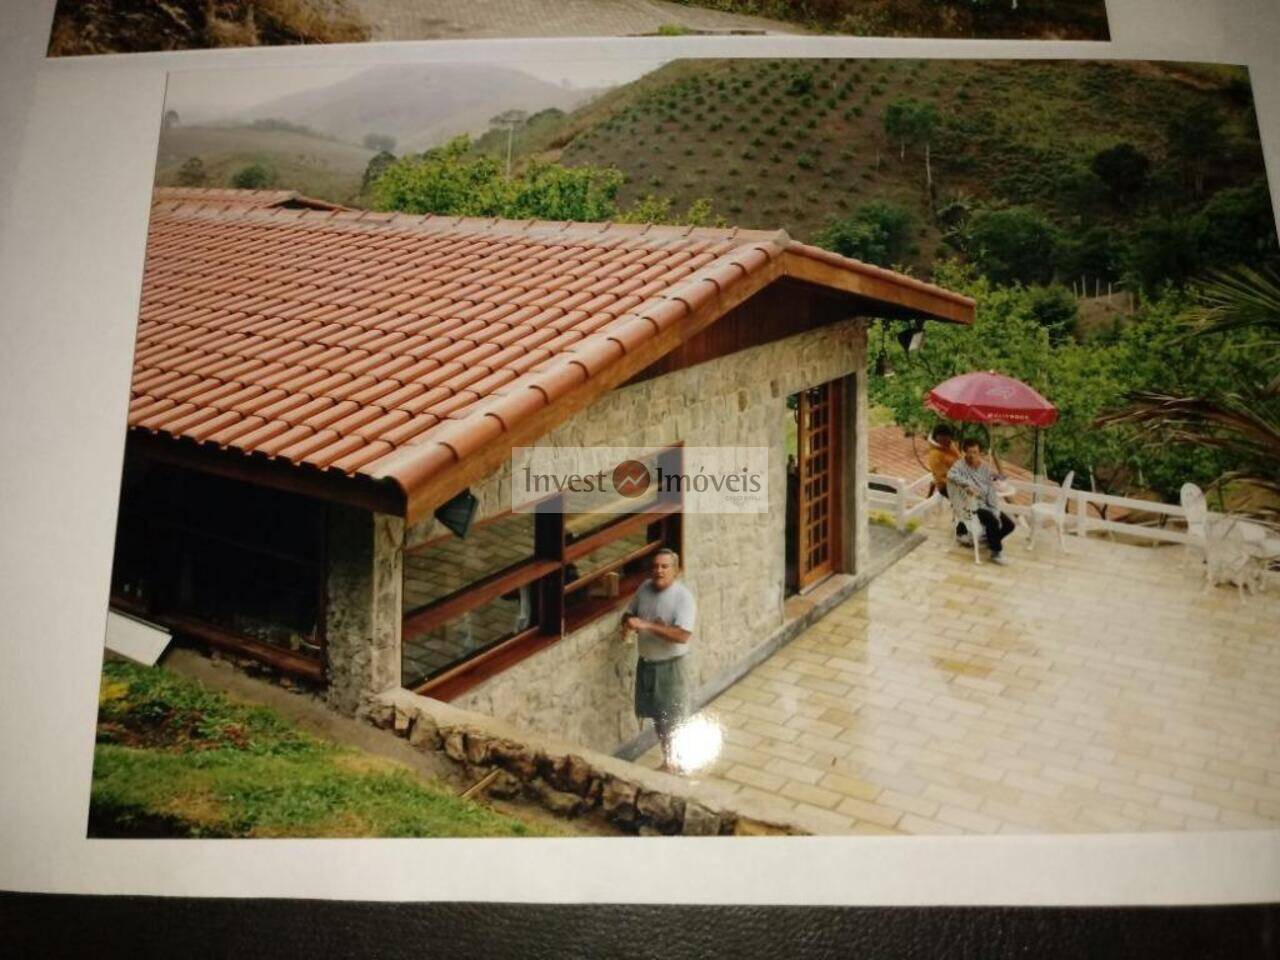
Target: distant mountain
column 418, row 104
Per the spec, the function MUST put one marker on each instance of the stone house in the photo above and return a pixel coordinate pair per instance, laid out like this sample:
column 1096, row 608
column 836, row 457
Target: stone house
column 311, row 384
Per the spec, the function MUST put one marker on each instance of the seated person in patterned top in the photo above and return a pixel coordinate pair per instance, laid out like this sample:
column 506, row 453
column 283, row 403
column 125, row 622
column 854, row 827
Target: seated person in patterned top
column 971, row 478
column 663, row 613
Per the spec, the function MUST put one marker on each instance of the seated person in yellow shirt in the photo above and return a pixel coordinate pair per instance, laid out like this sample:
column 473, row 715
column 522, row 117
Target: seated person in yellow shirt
column 943, row 453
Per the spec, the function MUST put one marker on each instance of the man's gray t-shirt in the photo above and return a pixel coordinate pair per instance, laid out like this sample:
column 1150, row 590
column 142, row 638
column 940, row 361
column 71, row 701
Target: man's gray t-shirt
column 672, row 607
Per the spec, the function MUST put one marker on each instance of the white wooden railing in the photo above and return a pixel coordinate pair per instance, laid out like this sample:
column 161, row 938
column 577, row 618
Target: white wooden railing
column 904, row 500
column 1082, row 522
column 910, row 500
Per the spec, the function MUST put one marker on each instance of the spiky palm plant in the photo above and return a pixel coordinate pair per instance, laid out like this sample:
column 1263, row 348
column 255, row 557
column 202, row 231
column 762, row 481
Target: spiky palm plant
column 1243, row 423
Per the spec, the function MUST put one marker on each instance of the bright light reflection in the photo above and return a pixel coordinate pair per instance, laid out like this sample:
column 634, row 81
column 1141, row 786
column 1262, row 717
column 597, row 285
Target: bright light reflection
column 696, row 743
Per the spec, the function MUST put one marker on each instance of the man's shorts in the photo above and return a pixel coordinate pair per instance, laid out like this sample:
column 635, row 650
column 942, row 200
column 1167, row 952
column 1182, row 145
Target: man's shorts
column 663, row 689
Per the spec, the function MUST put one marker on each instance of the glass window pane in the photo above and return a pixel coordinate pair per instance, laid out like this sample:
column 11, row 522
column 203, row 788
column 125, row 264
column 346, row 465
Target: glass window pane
column 430, row 652
column 446, row 566
column 587, row 513
column 614, row 550
column 579, row 525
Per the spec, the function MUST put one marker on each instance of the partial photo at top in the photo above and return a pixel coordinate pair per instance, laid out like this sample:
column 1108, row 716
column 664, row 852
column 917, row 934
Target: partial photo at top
column 703, row 447
column 131, row 26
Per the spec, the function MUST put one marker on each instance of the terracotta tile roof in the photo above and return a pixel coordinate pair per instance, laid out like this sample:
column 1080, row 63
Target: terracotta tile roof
column 385, row 346
column 229, row 196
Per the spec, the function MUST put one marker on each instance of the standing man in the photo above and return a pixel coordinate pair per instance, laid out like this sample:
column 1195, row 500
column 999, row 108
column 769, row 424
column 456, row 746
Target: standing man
column 662, row 612
column 974, row 480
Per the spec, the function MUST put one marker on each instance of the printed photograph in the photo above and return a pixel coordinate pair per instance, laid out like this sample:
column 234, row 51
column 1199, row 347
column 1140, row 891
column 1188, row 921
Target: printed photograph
column 701, row 448
column 133, row 26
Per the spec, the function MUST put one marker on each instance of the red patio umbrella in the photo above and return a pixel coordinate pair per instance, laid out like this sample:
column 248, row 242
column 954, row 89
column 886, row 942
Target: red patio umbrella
column 989, row 398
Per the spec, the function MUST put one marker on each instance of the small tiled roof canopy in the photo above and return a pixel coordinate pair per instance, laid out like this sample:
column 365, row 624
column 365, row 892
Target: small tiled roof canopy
column 366, row 356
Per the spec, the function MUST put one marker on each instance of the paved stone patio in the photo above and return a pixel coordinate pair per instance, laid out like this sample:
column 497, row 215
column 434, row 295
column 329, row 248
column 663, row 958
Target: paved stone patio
column 1098, row 690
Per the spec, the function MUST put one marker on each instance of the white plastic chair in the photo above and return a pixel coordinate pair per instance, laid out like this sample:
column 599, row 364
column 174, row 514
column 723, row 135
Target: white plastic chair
column 962, row 512
column 1051, row 513
column 1197, row 513
column 1230, row 557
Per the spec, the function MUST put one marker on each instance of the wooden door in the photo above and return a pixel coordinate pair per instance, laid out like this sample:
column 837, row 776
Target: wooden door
column 818, row 464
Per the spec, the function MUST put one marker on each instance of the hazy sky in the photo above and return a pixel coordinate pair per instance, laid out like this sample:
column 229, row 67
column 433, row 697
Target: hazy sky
column 203, row 95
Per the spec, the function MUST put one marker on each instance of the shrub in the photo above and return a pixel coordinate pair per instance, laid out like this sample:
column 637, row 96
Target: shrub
column 878, row 232
column 193, row 174
column 1013, row 244
column 255, row 176
column 1123, row 170
column 800, row 84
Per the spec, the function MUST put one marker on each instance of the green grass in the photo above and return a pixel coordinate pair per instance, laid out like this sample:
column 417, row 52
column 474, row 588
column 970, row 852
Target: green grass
column 176, row 759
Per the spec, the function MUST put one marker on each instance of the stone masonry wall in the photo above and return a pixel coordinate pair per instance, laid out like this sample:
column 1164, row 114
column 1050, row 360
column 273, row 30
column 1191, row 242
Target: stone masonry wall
column 362, row 615
column 569, row 781
column 581, row 688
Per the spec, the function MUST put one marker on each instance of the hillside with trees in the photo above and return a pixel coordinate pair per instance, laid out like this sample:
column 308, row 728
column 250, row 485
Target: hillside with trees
column 1041, row 170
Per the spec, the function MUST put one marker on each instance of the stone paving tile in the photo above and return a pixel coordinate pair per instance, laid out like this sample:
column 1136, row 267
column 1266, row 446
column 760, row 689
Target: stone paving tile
column 1098, row 690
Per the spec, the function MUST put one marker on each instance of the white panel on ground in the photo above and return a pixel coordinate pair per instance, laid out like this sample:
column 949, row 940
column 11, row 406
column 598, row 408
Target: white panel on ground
column 136, row 639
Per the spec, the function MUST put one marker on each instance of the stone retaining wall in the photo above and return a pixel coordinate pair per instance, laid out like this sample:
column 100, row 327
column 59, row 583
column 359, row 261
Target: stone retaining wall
column 571, row 781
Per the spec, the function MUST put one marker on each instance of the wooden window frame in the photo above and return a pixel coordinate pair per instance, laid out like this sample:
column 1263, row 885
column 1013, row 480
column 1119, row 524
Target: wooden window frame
column 553, row 553
column 310, row 667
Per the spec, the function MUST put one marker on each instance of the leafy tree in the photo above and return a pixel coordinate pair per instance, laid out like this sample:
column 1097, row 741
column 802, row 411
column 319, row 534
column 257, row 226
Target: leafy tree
column 1123, row 170
column 380, row 142
column 801, row 83
column 1163, row 251
column 1054, row 309
column 1237, row 225
column 255, row 176
column 651, row 209
column 452, row 180
column 910, row 122
column 878, row 232
column 1231, row 410
column 374, row 169
column 1013, row 245
column 1194, row 137
column 549, row 191
column 1005, row 337
column 1096, row 252
column 192, row 173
